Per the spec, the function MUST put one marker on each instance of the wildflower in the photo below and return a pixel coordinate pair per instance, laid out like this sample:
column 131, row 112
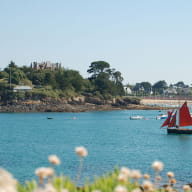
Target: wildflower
column 120, row 188
column 44, row 172
column 54, row 160
column 173, row 181
column 7, row 182
column 146, row 176
column 125, row 171
column 50, row 172
column 49, row 188
column 158, row 178
column 168, row 189
column 136, row 190
column 38, row 189
column 147, row 185
column 122, row 177
column 186, row 188
column 96, row 191
column 65, row 190
column 136, row 174
column 170, row 174
column 81, row 151
column 157, row 165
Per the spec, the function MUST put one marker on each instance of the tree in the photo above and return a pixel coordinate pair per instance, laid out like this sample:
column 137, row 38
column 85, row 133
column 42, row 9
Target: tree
column 17, row 76
column 117, row 77
column 69, row 80
column 75, row 79
column 98, row 67
column 4, row 75
column 181, row 84
column 3, row 91
column 147, row 87
column 137, row 87
column 12, row 64
column 159, row 86
column 105, row 80
column 38, row 78
column 49, row 79
column 102, row 83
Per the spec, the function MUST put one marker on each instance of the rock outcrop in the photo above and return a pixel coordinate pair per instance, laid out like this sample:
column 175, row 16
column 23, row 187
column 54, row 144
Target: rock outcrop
column 74, row 104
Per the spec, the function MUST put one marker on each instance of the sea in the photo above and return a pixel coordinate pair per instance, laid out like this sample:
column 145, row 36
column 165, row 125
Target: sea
column 111, row 138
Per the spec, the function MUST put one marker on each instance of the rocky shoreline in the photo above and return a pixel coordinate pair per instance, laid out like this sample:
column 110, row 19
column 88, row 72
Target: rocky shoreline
column 78, row 104
column 72, row 108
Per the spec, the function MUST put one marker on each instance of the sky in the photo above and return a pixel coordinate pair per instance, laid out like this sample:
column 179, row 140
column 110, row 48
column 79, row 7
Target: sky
column 146, row 40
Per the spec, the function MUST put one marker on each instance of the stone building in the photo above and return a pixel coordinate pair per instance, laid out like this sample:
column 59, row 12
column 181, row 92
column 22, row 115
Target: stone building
column 45, row 65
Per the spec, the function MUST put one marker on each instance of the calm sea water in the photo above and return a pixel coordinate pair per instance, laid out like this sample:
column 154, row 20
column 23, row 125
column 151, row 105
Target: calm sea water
column 26, row 140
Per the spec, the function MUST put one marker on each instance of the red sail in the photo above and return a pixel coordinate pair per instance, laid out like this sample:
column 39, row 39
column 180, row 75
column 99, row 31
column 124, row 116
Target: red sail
column 166, row 122
column 173, row 121
column 184, row 116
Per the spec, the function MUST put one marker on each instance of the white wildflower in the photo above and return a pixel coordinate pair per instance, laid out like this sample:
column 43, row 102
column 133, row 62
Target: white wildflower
column 96, row 191
column 147, row 185
column 49, row 188
column 125, row 171
column 168, row 189
column 186, row 188
column 44, row 172
column 158, row 178
column 39, row 189
column 136, row 190
column 170, row 174
column 122, row 177
column 158, row 165
column 173, row 181
column 65, row 190
column 146, row 176
column 136, row 174
column 54, row 160
column 7, row 182
column 120, row 188
column 81, row 151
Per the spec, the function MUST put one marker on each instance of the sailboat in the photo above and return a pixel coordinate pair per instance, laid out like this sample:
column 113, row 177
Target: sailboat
column 178, row 119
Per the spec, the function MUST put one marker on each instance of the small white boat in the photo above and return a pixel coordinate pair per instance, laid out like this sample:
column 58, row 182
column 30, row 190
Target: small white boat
column 162, row 116
column 136, row 117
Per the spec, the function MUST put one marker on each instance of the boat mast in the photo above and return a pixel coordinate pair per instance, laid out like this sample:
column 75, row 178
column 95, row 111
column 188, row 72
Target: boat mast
column 178, row 111
column 178, row 117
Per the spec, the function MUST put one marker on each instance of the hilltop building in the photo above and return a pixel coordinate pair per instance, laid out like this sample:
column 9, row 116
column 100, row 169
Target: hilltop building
column 45, row 65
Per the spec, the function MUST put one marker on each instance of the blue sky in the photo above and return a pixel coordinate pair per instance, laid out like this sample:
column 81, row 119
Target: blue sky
column 146, row 40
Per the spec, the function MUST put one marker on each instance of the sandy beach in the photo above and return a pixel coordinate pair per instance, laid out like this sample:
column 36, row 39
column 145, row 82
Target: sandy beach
column 164, row 102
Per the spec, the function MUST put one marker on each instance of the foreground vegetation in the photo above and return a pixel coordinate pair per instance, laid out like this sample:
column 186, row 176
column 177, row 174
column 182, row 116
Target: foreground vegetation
column 119, row 180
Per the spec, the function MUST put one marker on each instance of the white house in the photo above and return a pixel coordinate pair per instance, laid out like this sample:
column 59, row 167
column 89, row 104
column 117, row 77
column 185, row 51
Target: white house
column 22, row 88
column 170, row 90
column 127, row 90
column 186, row 90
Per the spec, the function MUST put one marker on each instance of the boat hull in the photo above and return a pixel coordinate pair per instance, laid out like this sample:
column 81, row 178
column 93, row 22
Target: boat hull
column 162, row 117
column 136, row 117
column 179, row 131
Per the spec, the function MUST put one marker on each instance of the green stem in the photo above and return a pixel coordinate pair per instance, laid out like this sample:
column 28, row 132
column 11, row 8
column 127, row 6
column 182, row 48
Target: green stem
column 79, row 170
